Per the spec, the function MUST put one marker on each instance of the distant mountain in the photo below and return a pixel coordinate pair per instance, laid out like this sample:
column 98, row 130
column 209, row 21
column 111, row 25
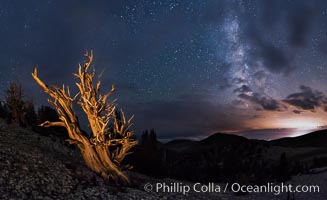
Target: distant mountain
column 179, row 144
column 223, row 139
column 314, row 139
column 218, row 140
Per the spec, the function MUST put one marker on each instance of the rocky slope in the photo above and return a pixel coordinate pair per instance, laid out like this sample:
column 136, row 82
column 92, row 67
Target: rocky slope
column 38, row 167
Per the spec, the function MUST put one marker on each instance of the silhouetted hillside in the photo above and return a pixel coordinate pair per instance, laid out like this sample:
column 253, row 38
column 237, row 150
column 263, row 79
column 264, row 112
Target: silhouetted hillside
column 223, row 139
column 228, row 157
column 314, row 139
column 180, row 144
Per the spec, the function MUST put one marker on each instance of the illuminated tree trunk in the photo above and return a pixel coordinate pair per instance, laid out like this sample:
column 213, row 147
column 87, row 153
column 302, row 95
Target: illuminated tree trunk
column 106, row 149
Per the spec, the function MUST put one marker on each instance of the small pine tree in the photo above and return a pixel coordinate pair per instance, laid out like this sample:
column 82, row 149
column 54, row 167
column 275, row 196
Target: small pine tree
column 15, row 103
column 145, row 137
column 4, row 112
column 30, row 116
column 150, row 155
column 153, row 139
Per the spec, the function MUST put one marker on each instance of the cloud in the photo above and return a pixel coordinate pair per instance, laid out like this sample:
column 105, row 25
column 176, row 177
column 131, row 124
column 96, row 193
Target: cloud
column 297, row 111
column 296, row 17
column 277, row 49
column 307, row 99
column 274, row 58
column 266, row 103
column 246, row 94
column 243, row 89
column 300, row 20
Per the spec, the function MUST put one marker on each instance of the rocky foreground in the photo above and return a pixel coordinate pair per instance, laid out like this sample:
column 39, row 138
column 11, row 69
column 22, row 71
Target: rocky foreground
column 38, row 167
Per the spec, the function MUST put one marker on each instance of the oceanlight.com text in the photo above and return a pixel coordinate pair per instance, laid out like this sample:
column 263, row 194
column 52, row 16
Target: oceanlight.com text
column 275, row 188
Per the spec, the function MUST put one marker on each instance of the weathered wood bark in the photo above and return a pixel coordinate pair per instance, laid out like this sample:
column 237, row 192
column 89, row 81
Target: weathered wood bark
column 111, row 138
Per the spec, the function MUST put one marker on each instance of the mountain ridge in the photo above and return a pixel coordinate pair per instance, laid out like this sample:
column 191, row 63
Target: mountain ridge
column 312, row 139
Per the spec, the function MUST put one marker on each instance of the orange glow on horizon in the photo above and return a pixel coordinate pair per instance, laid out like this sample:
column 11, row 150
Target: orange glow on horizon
column 299, row 123
column 305, row 120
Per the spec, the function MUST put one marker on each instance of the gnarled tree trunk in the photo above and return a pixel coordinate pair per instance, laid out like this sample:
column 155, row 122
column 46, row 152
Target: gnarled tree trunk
column 107, row 147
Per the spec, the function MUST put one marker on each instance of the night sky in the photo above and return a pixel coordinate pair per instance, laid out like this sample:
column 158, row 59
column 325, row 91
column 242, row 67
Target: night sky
column 186, row 68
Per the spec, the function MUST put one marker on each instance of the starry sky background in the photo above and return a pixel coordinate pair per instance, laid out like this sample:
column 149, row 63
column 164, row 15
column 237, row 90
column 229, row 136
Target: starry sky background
column 186, row 68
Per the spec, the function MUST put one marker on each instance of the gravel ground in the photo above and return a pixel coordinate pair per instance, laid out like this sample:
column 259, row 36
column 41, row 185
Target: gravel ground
column 38, row 167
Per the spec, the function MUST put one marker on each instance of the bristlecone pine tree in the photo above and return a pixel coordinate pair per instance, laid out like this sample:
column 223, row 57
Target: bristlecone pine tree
column 111, row 138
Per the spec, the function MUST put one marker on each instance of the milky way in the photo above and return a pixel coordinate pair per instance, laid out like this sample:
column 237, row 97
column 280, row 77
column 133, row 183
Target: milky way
column 185, row 68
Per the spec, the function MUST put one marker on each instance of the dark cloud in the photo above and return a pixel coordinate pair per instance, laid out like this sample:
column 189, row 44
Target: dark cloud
column 265, row 103
column 297, row 111
column 272, row 47
column 274, row 58
column 307, row 99
column 296, row 16
column 300, row 20
column 243, row 89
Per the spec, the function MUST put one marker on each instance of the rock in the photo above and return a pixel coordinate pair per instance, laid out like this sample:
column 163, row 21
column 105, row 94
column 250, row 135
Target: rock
column 18, row 188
